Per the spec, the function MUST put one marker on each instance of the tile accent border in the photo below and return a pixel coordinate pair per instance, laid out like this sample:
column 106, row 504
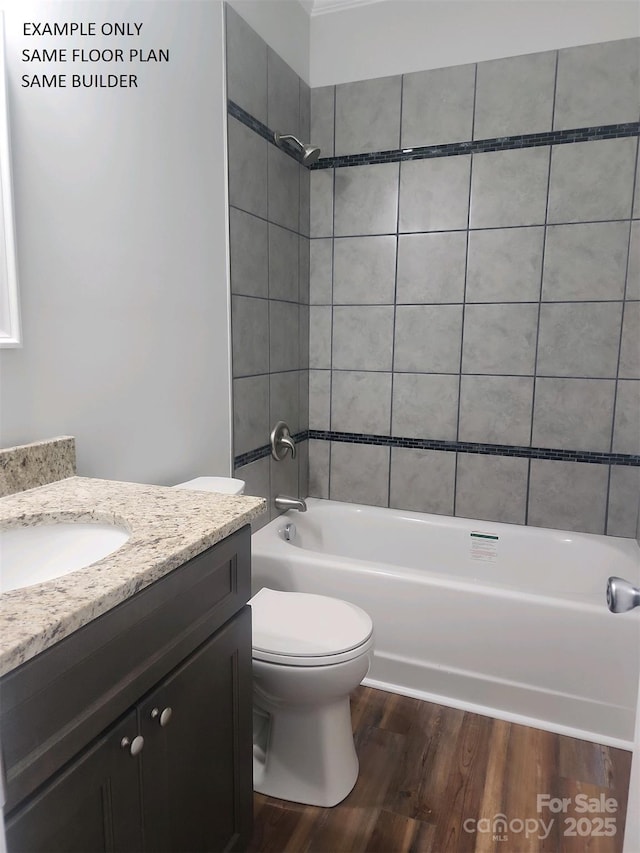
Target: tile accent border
column 265, row 450
column 593, row 457
column 481, row 146
column 452, row 149
column 27, row 466
column 481, row 449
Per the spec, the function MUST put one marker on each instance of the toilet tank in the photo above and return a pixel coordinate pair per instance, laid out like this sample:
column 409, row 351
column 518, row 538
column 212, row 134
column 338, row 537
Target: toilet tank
column 226, row 485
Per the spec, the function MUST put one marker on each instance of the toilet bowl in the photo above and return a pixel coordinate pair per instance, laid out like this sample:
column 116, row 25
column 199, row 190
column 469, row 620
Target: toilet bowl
column 309, row 653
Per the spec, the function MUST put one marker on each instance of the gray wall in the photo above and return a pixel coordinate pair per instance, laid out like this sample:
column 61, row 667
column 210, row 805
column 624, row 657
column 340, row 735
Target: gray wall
column 488, row 298
column 269, row 247
column 120, row 199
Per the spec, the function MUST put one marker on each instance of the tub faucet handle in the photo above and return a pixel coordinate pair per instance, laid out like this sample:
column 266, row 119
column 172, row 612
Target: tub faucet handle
column 281, row 442
column 621, row 595
column 289, row 532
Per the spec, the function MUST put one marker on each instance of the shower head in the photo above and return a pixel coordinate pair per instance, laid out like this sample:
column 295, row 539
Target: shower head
column 310, row 153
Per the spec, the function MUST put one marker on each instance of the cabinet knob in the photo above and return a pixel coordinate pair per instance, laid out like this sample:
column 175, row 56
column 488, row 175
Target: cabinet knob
column 163, row 716
column 134, row 746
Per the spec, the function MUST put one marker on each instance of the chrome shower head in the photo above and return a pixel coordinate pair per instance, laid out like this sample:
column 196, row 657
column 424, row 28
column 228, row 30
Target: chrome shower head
column 310, row 153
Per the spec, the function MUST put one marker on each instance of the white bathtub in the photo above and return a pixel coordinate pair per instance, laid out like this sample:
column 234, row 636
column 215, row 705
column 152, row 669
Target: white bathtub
column 514, row 626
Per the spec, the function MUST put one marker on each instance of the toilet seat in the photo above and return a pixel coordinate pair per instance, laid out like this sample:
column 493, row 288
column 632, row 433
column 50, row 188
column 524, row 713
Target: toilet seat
column 302, row 629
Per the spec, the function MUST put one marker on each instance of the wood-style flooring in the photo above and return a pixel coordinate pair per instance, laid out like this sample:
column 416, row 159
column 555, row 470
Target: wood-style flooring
column 426, row 771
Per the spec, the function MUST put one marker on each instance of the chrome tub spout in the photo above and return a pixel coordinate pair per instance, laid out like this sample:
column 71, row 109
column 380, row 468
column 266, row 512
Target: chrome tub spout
column 284, row 502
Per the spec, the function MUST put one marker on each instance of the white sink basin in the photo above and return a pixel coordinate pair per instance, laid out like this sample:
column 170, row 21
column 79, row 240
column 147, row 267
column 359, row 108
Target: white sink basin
column 30, row 555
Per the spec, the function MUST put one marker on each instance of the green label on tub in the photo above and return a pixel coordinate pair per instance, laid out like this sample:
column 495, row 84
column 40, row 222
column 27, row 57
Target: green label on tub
column 484, row 547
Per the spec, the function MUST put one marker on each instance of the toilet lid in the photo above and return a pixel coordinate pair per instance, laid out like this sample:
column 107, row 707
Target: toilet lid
column 227, row 485
column 299, row 624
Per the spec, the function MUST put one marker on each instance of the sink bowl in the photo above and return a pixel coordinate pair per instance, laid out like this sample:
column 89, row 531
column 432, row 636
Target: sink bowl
column 31, row 555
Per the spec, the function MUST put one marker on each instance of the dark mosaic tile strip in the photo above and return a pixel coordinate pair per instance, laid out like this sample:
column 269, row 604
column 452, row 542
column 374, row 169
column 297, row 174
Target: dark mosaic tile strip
column 251, row 456
column 480, row 146
column 261, row 129
column 247, row 119
column 481, row 449
column 265, row 450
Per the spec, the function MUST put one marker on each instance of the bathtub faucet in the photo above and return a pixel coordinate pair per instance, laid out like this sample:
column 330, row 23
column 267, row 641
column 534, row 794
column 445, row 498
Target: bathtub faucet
column 284, row 502
column 621, row 595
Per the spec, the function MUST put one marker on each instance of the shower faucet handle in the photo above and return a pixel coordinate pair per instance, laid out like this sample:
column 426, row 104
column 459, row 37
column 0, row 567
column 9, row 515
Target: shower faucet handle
column 281, row 442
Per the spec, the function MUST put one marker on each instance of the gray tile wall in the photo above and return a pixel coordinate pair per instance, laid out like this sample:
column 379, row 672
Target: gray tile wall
column 488, row 298
column 269, row 251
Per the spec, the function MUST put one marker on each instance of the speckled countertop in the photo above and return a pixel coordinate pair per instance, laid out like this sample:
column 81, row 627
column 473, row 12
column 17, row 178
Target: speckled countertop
column 167, row 528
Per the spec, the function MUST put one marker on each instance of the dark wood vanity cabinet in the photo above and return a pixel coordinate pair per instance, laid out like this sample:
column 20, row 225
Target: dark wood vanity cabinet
column 92, row 805
column 193, row 786
column 158, row 693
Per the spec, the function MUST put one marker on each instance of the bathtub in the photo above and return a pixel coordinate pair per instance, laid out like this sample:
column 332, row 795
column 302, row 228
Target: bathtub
column 498, row 619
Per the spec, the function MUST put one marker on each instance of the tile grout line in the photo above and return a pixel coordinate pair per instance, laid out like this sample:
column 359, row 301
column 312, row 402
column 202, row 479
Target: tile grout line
column 435, row 231
column 440, row 373
column 464, row 289
column 266, row 219
column 271, row 140
column 439, row 304
column 300, row 323
column 542, row 262
column 333, row 251
column 449, row 304
column 231, row 313
column 622, row 318
column 395, row 297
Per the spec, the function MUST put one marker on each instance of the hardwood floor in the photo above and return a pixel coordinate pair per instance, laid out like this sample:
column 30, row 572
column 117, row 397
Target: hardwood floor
column 429, row 774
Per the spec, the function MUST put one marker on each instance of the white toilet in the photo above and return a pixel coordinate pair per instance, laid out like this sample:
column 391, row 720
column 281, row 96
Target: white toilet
column 309, row 653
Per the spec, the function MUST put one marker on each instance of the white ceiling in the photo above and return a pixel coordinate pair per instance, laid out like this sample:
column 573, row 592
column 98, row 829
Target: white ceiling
column 322, row 7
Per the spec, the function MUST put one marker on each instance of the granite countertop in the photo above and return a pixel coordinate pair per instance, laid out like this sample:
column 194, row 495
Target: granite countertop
column 167, row 527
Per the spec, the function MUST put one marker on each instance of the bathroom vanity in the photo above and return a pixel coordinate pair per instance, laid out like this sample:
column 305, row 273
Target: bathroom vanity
column 132, row 732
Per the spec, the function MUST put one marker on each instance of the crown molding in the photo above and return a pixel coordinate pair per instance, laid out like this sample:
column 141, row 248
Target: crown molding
column 324, row 7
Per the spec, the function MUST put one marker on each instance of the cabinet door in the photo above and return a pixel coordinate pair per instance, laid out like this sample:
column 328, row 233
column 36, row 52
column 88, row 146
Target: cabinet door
column 92, row 806
column 197, row 762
